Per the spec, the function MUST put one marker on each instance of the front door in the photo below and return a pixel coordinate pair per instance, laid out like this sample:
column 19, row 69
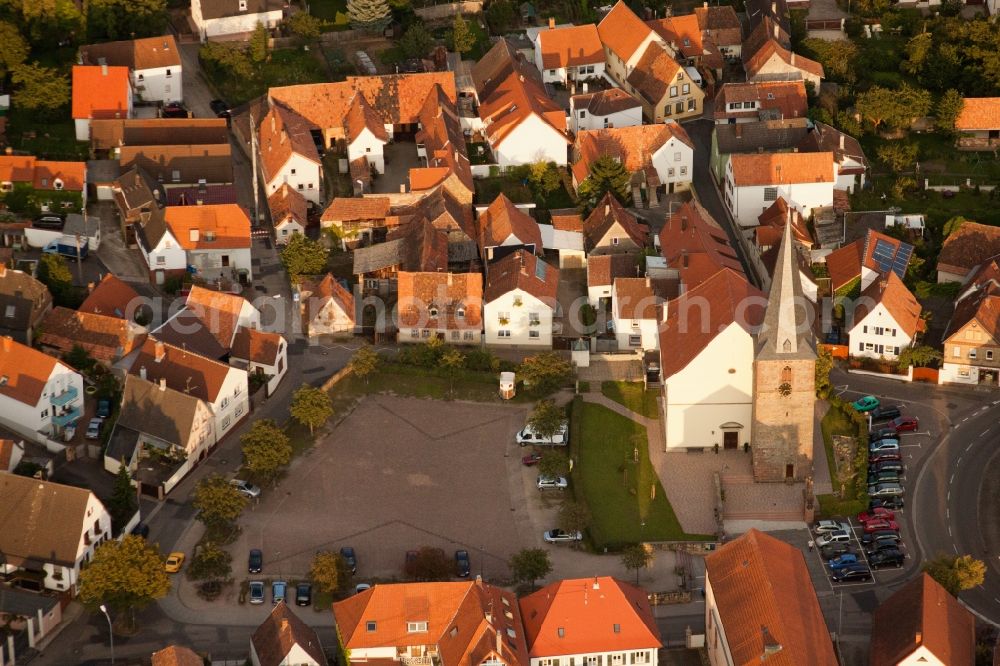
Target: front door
column 730, row 439
column 789, row 471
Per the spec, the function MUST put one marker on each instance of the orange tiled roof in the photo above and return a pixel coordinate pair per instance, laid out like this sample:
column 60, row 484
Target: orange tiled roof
column 218, row 311
column 772, row 225
column 653, row 73
column 176, row 655
column 17, row 169
column 97, row 94
column 634, row 145
column 787, row 97
column 347, row 209
column 605, row 215
column 773, row 168
column 286, row 203
column 184, row 371
column 251, row 344
column 513, row 100
column 329, row 289
column 721, row 24
column 604, row 268
column 444, row 140
column 790, row 58
column 567, row 219
column 280, row 633
column 72, row 174
column 502, row 220
column 445, row 292
column 635, row 298
column 969, row 246
column 111, row 296
column 682, row 33
column 190, row 224
column 283, row 134
column 762, row 583
column 570, row 47
column 522, row 270
column 137, row 54
column 981, row 305
column 605, row 102
column 621, row 31
column 27, row 370
column 979, row 113
column 6, row 453
column 696, row 246
column 362, row 116
column 897, row 299
column 107, row 338
column 844, row 264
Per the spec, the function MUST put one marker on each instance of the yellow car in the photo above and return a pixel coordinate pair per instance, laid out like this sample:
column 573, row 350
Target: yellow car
column 174, row 562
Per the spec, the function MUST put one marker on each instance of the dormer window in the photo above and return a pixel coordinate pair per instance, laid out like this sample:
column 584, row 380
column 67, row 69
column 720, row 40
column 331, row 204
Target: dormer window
column 460, row 313
column 433, row 311
column 58, row 184
column 243, row 5
column 370, row 624
column 416, row 627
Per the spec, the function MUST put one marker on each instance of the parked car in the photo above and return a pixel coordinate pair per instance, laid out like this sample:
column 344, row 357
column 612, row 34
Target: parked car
column 462, row 564
column 865, row 404
column 896, row 466
column 879, row 525
column 559, row 536
column 174, row 110
column 832, row 550
column 246, row 488
column 303, row 594
column 255, row 563
column 103, row 408
column 527, row 436
column 884, row 445
column 174, row 562
column 94, row 428
column 219, row 108
column 880, row 537
column 552, row 483
column 531, row 459
column 888, row 557
column 842, row 561
column 905, row 424
column 256, row 591
column 885, row 413
column 852, row 573
column 827, row 526
column 350, row 558
column 885, row 490
column 894, row 503
column 278, row 589
column 880, row 546
column 888, row 476
column 884, row 456
column 141, row 529
column 876, row 513
column 881, row 433
column 833, row 537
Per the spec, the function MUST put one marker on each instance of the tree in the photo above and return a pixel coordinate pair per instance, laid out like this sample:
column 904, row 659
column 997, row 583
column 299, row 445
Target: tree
column 368, row 15
column 956, row 572
column 416, row 42
column 952, row 225
column 574, row 516
column 919, row 356
column 530, row 564
column 303, row 256
column 896, row 108
column 231, row 59
column 266, row 449
column 500, row 15
column 897, row 155
column 328, row 571
column 39, row 88
column 311, row 406
column 635, row 557
column 123, row 503
column 824, row 364
column 364, row 362
column 305, row 26
column 837, row 56
column 125, row 19
column 462, row 38
column 125, row 575
column 544, row 177
column 428, row 564
column 53, row 272
column 553, row 464
column 217, row 502
column 607, row 174
column 452, row 360
column 80, row 359
column 210, row 563
column 258, row 44
column 545, row 372
column 917, row 50
column 949, row 108
column 13, row 48
column 546, row 418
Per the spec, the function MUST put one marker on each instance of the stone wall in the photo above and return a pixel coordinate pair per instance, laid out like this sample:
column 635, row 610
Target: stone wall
column 782, row 431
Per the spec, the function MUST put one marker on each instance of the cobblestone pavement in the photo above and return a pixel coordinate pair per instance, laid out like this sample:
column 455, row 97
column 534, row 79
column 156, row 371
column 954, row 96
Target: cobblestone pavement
column 618, row 367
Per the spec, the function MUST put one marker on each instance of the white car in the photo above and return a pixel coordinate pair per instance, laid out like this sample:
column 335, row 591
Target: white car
column 837, row 536
column 550, row 483
column 526, row 436
column 94, row 428
column 559, row 536
column 827, row 526
column 246, row 488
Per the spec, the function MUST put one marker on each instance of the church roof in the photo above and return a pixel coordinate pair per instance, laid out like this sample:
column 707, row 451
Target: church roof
column 787, row 330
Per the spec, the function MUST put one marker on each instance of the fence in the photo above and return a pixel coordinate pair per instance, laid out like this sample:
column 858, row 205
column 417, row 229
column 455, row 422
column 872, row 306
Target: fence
column 929, row 375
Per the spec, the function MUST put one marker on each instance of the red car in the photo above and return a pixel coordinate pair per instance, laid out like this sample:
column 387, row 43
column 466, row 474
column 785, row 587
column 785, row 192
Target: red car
column 904, row 424
column 878, row 513
column 880, row 524
column 884, row 457
column 531, row 459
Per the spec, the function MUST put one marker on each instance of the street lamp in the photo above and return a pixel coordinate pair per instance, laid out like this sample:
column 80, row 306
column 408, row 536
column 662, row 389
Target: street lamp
column 111, row 633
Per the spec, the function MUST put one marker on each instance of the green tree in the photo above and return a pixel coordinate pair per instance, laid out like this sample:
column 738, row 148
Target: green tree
column 368, row 15
column 217, row 502
column 428, row 564
column 948, row 109
column 837, row 56
column 574, row 516
column 546, row 418
column 500, row 16
column 258, row 44
column 607, row 174
column 553, row 463
column 80, row 359
column 303, row 256
column 898, row 155
column 462, row 37
column 311, row 406
column 953, row 225
column 416, row 42
column 13, row 48
column 452, row 361
column 545, row 372
column 125, row 19
column 895, row 108
column 266, row 449
column 530, row 564
column 230, row 59
column 824, row 364
column 544, row 177
column 125, row 575
column 305, row 26
column 956, row 572
column 53, row 272
column 635, row 557
column 364, row 362
column 40, row 89
column 917, row 51
column 919, row 356
column 123, row 503
column 328, row 571
column 211, row 563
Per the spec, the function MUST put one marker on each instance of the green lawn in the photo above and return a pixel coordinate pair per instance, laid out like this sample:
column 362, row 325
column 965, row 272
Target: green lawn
column 286, row 67
column 937, row 209
column 621, row 494
column 487, row 189
column 633, row 396
column 54, row 139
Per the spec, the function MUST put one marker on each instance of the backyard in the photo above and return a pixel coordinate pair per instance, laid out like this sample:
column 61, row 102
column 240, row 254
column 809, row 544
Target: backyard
column 45, row 138
column 284, row 67
column 519, row 188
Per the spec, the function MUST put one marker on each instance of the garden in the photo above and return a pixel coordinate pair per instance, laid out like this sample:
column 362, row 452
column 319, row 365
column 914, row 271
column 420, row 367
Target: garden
column 541, row 183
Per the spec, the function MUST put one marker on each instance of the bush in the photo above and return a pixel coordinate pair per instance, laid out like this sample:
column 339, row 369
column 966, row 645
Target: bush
column 481, row 360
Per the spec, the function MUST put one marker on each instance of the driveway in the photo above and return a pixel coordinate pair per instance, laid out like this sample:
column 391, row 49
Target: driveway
column 197, row 94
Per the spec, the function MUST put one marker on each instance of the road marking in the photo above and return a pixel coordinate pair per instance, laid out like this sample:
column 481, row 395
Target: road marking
column 952, row 479
column 953, row 545
column 947, row 513
column 969, row 446
column 982, row 409
column 959, row 461
column 983, row 433
column 949, row 530
column 949, row 495
column 965, row 419
column 906, row 445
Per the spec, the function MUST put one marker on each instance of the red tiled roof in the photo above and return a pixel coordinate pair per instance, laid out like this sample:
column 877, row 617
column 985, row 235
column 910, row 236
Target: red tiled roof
column 502, row 220
column 755, row 169
column 720, row 23
column 27, row 371
column 184, row 371
column 191, row 226
column 72, row 174
column 787, row 97
column 771, row 48
column 100, row 94
column 653, row 73
column 137, row 54
column 621, row 31
column 566, row 219
column 635, row 298
column 969, row 246
column 105, row 337
column 113, row 297
column 570, row 47
column 283, row 134
column 329, row 289
column 682, row 33
column 696, row 246
column 772, row 225
column 362, row 116
column 522, row 270
column 287, row 204
column 979, row 113
column 444, row 140
column 983, row 306
column 282, row 631
column 176, row 655
column 17, row 169
column 634, row 146
column 605, row 102
column 604, row 268
column 844, row 264
column 605, row 215
column 251, row 344
column 445, row 292
column 897, row 299
column 344, row 209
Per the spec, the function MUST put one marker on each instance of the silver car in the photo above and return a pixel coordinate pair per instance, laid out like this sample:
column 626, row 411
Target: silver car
column 827, row 526
column 256, row 592
column 552, row 483
column 559, row 536
column 837, row 536
column 246, row 488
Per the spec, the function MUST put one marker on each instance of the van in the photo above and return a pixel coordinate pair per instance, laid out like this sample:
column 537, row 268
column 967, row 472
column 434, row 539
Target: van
column 884, row 445
column 526, row 436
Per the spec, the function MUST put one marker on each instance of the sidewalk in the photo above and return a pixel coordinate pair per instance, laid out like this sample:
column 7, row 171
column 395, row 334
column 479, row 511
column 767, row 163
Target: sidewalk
column 822, row 474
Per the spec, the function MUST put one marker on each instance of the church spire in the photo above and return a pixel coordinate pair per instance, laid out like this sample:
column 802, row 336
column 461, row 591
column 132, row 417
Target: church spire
column 786, row 322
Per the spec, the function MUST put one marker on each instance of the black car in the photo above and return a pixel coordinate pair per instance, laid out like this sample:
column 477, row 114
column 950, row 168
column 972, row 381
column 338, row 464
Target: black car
column 885, row 476
column 888, row 466
column 835, row 549
column 851, row 573
column 221, row 110
column 256, row 561
column 141, row 529
column 879, row 546
column 303, row 594
column 894, row 503
column 885, row 413
column 350, row 559
column 886, row 557
column 882, row 433
column 462, row 566
column 173, row 110
column 875, row 539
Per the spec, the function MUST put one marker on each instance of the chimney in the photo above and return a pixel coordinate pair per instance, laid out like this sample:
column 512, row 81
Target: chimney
column 841, row 140
column 597, row 584
column 499, row 643
column 284, row 625
column 918, row 638
column 649, row 283
column 552, row 23
column 793, row 58
column 142, row 372
column 272, row 122
column 194, row 235
column 138, row 178
column 156, row 195
column 104, row 69
column 3, row 269
column 704, row 5
column 163, row 383
column 738, row 130
column 90, row 286
column 684, row 223
column 284, row 135
column 159, row 351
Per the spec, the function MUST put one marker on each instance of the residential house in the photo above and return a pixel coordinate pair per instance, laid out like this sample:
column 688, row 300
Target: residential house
column 520, row 301
column 771, row 227
column 625, row 39
column 289, row 213
column 327, row 306
column 603, row 270
column 921, row 623
column 852, row 165
column 666, row 88
column 213, row 239
column 707, row 351
column 886, row 319
column 448, row 306
column 972, row 339
column 504, row 228
column 33, row 616
column 610, row 229
column 521, row 123
column 978, row 125
column 767, row 54
column 760, row 100
column 154, row 65
column 637, row 310
column 612, row 107
column 99, row 92
column 356, row 219
column 592, row 620
column 48, row 532
column 136, row 195
column 691, row 46
column 24, row 303
column 112, row 297
column 39, row 395
column 176, row 655
column 569, row 54
column 181, row 165
column 695, row 247
column 229, row 18
column 858, row 264
column 262, row 354
column 564, row 235
column 285, row 640
column 453, row 624
column 416, row 246
column 365, row 134
column 288, row 155
column 106, row 338
column 965, row 249
column 720, row 25
column 208, row 323
column 441, row 142
column 658, row 157
column 108, row 135
column 754, row 181
column 11, row 453
column 56, row 186
column 760, row 605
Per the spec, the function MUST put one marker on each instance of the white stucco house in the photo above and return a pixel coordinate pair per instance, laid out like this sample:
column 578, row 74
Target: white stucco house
column 100, row 91
column 224, row 19
column 612, row 107
column 164, row 256
column 39, row 395
column 365, row 134
column 288, row 155
column 666, row 147
column 637, row 312
column 285, row 640
column 328, row 308
column 569, row 53
column 603, row 270
column 261, row 354
column 886, row 319
column 755, row 181
column 154, row 65
column 215, row 239
column 519, row 301
column 48, row 532
column 289, row 213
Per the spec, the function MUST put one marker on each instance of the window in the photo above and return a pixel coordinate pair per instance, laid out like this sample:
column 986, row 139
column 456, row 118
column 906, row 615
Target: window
column 667, row 111
column 691, row 105
column 552, row 72
column 368, row 149
column 686, row 89
column 468, row 335
column 370, row 624
column 749, row 105
column 684, row 171
column 670, row 172
column 425, row 333
column 879, row 330
column 225, row 257
column 45, row 413
column 614, row 241
column 673, row 91
column 433, row 312
column 301, row 187
column 561, row 631
column 956, row 352
column 413, row 627
column 460, row 313
column 679, row 107
column 634, row 341
column 972, row 354
column 533, row 316
column 503, row 317
column 770, row 193
column 864, row 329
column 503, row 334
column 786, row 374
column 963, row 372
column 677, row 157
column 618, row 630
column 861, row 346
column 869, row 346
column 532, row 334
column 6, row 187
column 225, row 403
column 9, row 311
column 225, row 423
column 239, row 411
column 617, row 659
column 141, row 78
column 243, row 5
column 893, row 334
column 455, row 335
column 895, row 350
column 169, row 74
column 293, row 172
column 989, row 354
column 583, row 114
column 414, row 332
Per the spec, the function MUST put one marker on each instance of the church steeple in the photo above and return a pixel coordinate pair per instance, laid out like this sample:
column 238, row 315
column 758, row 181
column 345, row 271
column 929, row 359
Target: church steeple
column 786, row 331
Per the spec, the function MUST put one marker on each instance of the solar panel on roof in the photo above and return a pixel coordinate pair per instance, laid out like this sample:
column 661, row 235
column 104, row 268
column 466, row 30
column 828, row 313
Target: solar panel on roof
column 902, row 259
column 883, row 255
column 540, row 267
